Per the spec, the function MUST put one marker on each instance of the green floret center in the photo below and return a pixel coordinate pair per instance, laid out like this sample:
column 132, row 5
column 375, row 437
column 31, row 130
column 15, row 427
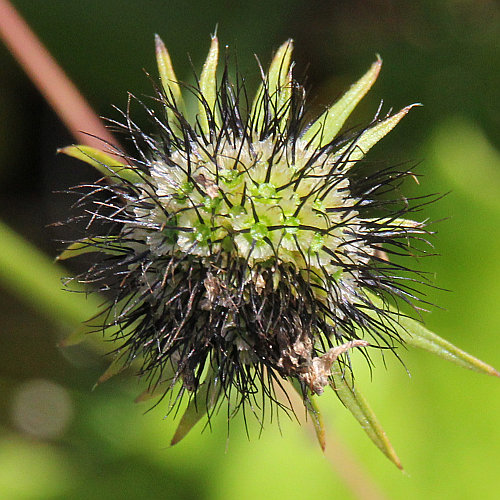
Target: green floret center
column 230, row 178
column 259, row 231
column 291, row 225
column 317, row 242
column 202, row 233
column 265, row 193
column 243, row 204
column 184, row 191
column 211, row 203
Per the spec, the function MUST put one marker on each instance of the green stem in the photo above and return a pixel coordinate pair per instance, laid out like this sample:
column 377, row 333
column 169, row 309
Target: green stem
column 38, row 281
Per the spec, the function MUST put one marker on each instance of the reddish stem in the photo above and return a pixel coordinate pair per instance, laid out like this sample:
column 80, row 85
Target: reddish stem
column 50, row 79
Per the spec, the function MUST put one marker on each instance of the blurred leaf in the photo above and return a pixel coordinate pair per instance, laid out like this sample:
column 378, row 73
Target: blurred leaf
column 37, row 281
column 30, row 469
column 462, row 152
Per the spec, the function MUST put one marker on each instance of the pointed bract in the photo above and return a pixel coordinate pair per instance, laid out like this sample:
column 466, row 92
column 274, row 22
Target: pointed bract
column 314, row 412
column 152, row 392
column 89, row 245
column 413, row 333
column 104, row 163
column 200, row 404
column 273, row 96
column 284, row 102
column 329, row 124
column 352, row 399
column 208, row 88
column 117, row 366
column 169, row 83
column 416, row 335
column 358, row 148
column 76, row 337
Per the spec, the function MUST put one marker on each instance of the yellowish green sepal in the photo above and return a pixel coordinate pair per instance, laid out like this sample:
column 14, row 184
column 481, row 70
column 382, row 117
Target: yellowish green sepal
column 278, row 86
column 117, row 366
column 284, row 101
column 152, row 392
column 169, row 82
column 415, row 334
column 357, row 149
column 76, row 337
column 328, row 125
column 352, row 399
column 104, row 163
column 310, row 403
column 208, row 87
column 88, row 245
column 201, row 403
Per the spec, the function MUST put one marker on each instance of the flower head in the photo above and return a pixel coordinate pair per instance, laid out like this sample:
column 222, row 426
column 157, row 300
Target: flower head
column 245, row 246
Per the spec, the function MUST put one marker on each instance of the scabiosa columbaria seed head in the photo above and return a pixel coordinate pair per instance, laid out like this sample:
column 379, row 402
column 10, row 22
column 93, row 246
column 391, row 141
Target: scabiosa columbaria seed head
column 245, row 247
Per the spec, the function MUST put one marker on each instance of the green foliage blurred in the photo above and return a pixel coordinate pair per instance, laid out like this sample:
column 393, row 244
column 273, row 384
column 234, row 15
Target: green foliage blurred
column 443, row 421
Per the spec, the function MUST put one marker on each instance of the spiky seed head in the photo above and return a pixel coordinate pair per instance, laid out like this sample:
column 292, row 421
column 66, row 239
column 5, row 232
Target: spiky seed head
column 243, row 246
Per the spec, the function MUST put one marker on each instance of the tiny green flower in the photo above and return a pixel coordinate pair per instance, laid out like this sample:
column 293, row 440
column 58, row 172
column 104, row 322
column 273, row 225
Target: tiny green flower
column 244, row 247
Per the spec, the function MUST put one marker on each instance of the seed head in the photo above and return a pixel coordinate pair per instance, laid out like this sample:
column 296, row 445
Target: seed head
column 245, row 247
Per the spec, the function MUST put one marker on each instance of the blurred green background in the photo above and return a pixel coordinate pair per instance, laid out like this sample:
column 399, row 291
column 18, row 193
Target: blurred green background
column 59, row 439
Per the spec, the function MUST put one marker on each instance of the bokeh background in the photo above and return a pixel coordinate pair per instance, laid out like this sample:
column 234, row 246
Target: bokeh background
column 61, row 440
